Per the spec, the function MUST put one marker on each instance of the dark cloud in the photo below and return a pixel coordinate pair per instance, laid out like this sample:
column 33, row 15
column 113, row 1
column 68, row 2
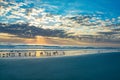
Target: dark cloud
column 24, row 30
column 85, row 20
column 108, row 33
column 100, row 38
column 118, row 29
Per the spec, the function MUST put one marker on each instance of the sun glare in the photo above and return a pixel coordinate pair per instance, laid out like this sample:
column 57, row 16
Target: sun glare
column 36, row 40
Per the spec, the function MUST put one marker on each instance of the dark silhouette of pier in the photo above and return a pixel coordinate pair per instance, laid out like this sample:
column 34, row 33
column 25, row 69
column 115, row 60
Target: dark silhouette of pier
column 32, row 53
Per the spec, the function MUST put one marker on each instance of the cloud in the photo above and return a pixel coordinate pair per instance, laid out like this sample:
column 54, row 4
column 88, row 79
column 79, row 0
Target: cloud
column 117, row 30
column 49, row 7
column 24, row 30
column 32, row 19
column 108, row 33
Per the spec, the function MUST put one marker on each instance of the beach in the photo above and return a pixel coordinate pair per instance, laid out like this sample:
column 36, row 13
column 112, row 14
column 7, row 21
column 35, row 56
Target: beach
column 83, row 67
column 46, row 53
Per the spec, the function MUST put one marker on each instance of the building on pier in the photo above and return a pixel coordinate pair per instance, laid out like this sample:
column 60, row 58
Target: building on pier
column 30, row 53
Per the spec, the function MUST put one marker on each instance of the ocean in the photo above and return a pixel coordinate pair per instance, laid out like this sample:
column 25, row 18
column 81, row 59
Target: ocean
column 103, row 66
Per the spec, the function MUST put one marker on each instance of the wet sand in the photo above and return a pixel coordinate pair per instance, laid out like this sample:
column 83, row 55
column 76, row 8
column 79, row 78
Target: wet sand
column 84, row 67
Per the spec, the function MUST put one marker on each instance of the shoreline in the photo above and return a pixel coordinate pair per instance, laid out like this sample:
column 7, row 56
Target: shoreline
column 48, row 57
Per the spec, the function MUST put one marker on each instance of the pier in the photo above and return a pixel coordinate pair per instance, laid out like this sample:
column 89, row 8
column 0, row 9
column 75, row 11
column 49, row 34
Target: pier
column 30, row 53
column 40, row 53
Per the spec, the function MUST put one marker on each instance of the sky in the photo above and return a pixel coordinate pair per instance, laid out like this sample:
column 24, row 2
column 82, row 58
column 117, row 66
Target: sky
column 68, row 22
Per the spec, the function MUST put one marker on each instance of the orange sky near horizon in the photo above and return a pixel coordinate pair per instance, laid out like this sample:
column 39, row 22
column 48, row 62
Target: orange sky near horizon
column 36, row 40
column 40, row 40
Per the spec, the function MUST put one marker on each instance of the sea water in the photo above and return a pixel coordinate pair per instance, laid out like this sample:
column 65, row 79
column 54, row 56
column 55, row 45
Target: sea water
column 85, row 67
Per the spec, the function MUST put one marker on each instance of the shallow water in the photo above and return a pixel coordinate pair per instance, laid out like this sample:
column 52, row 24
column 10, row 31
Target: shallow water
column 85, row 67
